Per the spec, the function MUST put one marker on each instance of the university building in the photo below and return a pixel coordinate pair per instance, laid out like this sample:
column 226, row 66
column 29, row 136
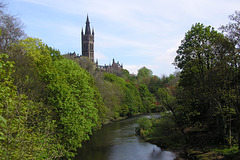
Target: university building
column 87, row 42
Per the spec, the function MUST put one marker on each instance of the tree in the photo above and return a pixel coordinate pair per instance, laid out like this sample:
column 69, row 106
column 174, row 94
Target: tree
column 87, row 64
column 26, row 127
column 232, row 31
column 170, row 104
column 204, row 59
column 154, row 84
column 11, row 31
column 69, row 100
column 2, row 5
column 147, row 99
column 144, row 72
column 71, row 93
column 132, row 99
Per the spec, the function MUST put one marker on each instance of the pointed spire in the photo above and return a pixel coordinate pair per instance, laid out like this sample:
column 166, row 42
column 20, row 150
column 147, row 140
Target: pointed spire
column 87, row 18
column 87, row 29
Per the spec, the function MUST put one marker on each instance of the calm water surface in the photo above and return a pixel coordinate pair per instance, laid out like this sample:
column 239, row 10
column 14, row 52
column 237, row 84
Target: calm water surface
column 118, row 141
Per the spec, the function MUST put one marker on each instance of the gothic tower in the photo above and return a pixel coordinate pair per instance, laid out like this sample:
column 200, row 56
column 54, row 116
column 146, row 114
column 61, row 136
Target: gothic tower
column 88, row 42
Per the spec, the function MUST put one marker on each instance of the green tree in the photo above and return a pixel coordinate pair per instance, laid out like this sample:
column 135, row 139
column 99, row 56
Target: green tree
column 232, row 31
column 170, row 104
column 147, row 99
column 87, row 64
column 203, row 58
column 154, row 84
column 131, row 101
column 69, row 94
column 26, row 128
column 144, row 72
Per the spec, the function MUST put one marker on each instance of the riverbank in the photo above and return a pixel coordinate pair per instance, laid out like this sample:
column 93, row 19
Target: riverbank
column 165, row 135
column 211, row 153
column 112, row 120
column 207, row 153
column 118, row 141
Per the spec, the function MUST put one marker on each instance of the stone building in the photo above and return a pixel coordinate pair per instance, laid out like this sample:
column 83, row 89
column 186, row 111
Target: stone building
column 111, row 68
column 87, row 41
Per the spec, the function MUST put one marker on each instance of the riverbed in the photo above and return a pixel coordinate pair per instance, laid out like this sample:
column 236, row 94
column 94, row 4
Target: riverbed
column 118, row 141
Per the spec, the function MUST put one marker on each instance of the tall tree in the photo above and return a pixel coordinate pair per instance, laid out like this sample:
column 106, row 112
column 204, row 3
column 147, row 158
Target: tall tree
column 144, row 72
column 11, row 30
column 147, row 99
column 232, row 31
column 203, row 58
column 26, row 126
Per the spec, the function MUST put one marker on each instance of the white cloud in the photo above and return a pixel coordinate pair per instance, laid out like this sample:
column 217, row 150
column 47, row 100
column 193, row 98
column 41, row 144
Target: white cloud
column 99, row 56
column 133, row 69
column 169, row 54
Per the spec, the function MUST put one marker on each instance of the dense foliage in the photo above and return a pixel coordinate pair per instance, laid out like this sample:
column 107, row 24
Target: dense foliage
column 50, row 105
column 203, row 108
column 208, row 79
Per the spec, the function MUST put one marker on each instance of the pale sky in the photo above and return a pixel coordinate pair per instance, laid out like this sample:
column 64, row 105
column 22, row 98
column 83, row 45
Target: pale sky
column 136, row 33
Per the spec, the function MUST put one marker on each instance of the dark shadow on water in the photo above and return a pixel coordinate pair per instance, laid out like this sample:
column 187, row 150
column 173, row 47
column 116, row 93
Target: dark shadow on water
column 118, row 141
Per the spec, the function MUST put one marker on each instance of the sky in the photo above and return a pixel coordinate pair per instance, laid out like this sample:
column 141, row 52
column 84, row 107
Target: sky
column 136, row 33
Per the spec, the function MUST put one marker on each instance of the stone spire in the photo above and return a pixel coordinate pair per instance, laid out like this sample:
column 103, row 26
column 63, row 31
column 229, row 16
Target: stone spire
column 87, row 29
column 88, row 42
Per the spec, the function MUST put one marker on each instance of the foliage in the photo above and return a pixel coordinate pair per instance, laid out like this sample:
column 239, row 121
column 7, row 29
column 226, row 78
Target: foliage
column 71, row 93
column 144, row 123
column 11, row 30
column 232, row 30
column 167, row 133
column 227, row 151
column 147, row 99
column 26, row 131
column 112, row 96
column 73, row 104
column 161, row 131
column 206, row 99
column 131, row 101
column 87, row 64
column 144, row 72
column 232, row 97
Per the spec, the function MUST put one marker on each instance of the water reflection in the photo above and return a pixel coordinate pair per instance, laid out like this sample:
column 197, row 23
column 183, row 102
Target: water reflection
column 118, row 141
column 158, row 154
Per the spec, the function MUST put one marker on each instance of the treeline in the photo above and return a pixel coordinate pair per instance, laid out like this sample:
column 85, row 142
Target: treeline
column 50, row 104
column 204, row 109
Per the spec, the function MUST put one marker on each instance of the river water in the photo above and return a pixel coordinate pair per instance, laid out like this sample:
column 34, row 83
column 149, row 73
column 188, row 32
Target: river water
column 118, row 141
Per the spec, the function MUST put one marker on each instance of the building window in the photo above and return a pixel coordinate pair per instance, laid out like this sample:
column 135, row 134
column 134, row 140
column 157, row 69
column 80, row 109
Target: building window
column 91, row 46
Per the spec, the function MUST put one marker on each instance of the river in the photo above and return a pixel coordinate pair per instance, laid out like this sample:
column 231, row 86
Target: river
column 118, row 141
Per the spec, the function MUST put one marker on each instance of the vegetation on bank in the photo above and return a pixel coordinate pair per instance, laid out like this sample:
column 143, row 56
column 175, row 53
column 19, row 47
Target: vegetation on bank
column 202, row 117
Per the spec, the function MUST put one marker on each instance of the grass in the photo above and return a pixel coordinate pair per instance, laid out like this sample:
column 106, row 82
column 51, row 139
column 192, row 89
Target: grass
column 219, row 153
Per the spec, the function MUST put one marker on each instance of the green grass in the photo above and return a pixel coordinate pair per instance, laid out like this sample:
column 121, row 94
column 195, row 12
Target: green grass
column 227, row 151
column 219, row 153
